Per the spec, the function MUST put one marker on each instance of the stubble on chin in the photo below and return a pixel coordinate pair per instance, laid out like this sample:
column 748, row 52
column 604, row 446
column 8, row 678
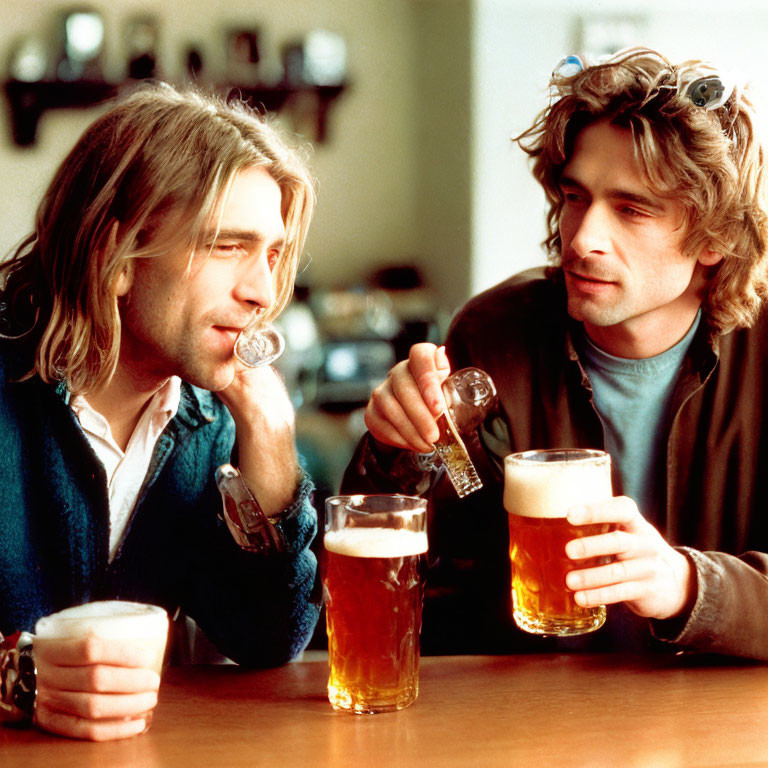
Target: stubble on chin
column 586, row 311
column 218, row 379
column 576, row 308
column 209, row 374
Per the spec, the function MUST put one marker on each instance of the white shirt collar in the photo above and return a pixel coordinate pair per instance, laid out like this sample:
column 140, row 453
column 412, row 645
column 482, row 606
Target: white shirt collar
column 127, row 469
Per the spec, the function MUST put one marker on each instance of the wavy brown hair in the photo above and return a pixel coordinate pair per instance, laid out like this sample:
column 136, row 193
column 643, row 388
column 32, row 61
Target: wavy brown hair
column 709, row 160
column 151, row 171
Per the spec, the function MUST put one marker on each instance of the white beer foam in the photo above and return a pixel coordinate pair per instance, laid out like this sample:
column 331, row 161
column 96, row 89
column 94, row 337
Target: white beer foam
column 106, row 618
column 376, row 542
column 550, row 489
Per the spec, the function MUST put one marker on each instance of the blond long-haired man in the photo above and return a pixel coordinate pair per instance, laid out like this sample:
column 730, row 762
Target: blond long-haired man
column 175, row 222
column 648, row 338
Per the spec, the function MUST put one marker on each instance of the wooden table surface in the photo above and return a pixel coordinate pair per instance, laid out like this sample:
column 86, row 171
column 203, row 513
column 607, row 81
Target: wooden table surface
column 484, row 711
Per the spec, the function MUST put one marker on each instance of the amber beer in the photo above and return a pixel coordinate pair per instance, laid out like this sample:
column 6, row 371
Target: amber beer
column 373, row 596
column 539, row 488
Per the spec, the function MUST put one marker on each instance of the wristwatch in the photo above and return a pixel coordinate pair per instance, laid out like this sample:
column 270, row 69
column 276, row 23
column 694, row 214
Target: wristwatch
column 250, row 527
column 18, row 680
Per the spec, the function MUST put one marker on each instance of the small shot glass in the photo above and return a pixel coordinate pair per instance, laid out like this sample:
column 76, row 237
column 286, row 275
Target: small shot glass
column 257, row 346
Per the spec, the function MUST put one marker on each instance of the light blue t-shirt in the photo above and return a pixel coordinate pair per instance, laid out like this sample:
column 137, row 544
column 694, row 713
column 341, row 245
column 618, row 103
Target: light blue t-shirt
column 632, row 398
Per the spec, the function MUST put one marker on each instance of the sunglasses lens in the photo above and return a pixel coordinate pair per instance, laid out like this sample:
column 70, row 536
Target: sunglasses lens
column 569, row 66
column 708, row 92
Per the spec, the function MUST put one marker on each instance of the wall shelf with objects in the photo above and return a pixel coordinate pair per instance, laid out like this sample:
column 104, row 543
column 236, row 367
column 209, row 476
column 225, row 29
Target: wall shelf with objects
column 28, row 101
column 307, row 103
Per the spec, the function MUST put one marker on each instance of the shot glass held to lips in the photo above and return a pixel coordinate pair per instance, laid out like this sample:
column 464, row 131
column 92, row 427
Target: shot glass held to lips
column 257, row 346
column 99, row 668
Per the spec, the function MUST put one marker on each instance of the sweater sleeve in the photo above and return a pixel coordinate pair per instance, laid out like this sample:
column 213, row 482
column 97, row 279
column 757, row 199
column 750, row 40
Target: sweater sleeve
column 730, row 612
column 258, row 610
column 378, row 468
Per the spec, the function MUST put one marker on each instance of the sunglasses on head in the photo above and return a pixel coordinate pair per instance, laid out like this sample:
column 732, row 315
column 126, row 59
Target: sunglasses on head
column 709, row 92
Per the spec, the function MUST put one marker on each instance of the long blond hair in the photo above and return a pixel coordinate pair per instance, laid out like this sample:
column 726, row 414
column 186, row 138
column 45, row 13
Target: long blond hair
column 157, row 163
column 712, row 161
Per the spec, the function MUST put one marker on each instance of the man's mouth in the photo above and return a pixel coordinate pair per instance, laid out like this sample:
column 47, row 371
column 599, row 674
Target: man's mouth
column 582, row 280
column 229, row 331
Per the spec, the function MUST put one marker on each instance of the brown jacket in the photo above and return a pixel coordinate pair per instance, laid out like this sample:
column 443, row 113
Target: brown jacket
column 716, row 483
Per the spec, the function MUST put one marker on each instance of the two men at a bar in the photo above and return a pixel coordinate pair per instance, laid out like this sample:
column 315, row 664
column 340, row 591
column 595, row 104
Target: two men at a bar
column 176, row 221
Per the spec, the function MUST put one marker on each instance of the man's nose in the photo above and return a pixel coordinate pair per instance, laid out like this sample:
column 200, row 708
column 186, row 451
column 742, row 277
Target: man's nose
column 592, row 234
column 255, row 284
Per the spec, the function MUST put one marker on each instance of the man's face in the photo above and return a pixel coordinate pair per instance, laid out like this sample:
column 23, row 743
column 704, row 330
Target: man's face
column 626, row 276
column 184, row 321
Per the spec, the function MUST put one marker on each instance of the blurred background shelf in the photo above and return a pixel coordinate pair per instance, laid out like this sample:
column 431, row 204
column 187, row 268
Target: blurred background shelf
column 28, row 101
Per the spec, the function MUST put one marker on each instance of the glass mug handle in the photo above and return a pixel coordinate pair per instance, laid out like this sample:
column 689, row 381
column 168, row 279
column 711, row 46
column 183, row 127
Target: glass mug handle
column 469, row 396
column 469, row 393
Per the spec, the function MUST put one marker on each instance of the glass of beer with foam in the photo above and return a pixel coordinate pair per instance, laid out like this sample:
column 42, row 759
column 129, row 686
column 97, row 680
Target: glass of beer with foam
column 539, row 488
column 140, row 624
column 373, row 590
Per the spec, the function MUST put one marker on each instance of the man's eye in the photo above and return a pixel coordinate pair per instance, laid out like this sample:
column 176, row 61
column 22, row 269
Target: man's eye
column 227, row 249
column 632, row 213
column 273, row 257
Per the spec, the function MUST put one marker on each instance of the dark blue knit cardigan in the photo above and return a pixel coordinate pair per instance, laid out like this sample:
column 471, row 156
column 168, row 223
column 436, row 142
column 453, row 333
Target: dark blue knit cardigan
column 177, row 553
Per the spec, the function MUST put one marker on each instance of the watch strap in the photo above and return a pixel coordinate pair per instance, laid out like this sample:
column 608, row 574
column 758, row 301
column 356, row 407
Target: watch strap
column 18, row 681
column 250, row 527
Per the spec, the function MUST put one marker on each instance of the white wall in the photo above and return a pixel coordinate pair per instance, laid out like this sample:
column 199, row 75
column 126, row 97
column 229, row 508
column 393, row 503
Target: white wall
column 515, row 48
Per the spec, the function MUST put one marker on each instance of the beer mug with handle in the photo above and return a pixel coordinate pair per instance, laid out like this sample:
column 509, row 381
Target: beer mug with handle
column 539, row 488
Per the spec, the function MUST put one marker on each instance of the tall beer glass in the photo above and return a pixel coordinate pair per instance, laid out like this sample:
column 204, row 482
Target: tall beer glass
column 539, row 488
column 373, row 597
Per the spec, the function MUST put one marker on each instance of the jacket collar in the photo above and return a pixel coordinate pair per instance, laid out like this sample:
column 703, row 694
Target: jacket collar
column 196, row 406
column 704, row 352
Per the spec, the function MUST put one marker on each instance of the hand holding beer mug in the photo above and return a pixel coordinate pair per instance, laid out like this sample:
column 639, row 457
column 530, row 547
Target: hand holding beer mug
column 373, row 596
column 99, row 668
column 539, row 488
